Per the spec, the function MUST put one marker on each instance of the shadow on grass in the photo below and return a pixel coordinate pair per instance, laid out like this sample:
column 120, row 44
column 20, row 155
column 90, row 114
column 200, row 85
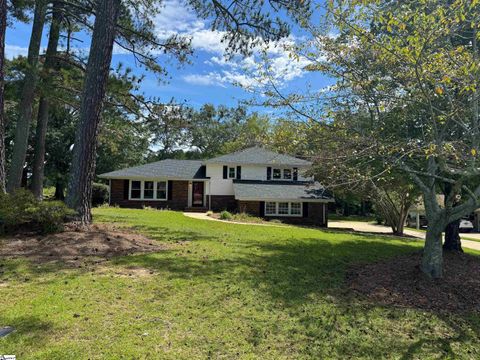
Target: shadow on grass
column 299, row 274
column 29, row 329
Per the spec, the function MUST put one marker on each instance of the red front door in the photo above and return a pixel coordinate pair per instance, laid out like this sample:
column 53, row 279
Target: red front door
column 197, row 193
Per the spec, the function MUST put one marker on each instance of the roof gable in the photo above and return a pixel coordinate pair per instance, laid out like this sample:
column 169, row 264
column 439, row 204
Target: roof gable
column 258, row 156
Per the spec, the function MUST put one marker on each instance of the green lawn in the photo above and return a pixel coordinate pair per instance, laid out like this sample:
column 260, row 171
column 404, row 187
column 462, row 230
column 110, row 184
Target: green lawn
column 221, row 291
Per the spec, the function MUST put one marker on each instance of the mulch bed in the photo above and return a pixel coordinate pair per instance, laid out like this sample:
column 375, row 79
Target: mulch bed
column 76, row 245
column 400, row 282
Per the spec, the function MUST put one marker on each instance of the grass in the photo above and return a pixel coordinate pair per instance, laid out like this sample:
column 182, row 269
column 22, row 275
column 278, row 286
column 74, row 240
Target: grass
column 220, row 291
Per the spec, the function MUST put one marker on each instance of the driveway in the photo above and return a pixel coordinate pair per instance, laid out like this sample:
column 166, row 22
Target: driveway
column 362, row 226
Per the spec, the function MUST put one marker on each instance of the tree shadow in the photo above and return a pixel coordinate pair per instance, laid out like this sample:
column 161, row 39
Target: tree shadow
column 28, row 329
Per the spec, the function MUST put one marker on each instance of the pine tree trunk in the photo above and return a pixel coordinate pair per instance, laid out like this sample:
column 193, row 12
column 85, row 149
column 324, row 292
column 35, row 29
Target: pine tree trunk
column 432, row 260
column 3, row 27
column 452, row 237
column 59, row 191
column 82, row 170
column 44, row 106
column 27, row 98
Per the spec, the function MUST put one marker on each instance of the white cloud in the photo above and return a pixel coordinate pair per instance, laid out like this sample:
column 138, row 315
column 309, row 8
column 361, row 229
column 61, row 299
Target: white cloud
column 176, row 18
column 12, row 51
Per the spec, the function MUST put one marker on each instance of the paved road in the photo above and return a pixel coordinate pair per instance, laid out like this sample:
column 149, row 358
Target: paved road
column 373, row 228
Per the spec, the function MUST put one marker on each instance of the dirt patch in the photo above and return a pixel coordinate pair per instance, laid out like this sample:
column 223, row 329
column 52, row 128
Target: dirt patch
column 400, row 282
column 77, row 245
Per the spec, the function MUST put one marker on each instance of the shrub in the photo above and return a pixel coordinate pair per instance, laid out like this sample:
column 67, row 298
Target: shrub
column 99, row 194
column 22, row 209
column 209, row 213
column 225, row 215
column 244, row 217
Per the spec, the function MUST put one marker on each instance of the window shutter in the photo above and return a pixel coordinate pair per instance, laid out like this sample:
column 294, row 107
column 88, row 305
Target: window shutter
column 239, row 172
column 261, row 210
column 269, row 173
column 169, row 189
column 225, row 172
column 295, row 174
column 126, row 189
column 305, row 209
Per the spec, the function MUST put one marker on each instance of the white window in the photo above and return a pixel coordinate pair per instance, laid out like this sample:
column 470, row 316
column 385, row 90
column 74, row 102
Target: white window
column 283, row 209
column 161, row 190
column 136, row 190
column 270, row 208
column 231, row 173
column 277, row 174
column 282, row 174
column 296, row 208
column 148, row 190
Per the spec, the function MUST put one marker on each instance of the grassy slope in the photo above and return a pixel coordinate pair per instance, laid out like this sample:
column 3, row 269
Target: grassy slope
column 222, row 291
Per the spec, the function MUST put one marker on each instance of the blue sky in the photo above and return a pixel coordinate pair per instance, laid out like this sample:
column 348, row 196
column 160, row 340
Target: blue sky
column 208, row 78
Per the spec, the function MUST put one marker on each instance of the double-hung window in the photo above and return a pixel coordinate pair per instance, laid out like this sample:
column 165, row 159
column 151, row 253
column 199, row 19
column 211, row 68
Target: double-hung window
column 136, row 190
column 148, row 190
column 161, row 190
column 232, row 173
column 282, row 174
column 283, row 208
column 270, row 208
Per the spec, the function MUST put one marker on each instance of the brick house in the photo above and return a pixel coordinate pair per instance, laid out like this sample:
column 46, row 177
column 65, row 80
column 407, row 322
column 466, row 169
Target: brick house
column 255, row 180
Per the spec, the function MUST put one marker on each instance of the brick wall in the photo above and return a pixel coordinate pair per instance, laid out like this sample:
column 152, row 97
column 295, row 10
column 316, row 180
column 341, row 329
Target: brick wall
column 223, row 202
column 315, row 213
column 249, row 207
column 179, row 197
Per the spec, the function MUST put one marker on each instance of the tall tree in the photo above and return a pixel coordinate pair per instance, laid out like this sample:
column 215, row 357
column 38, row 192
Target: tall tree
column 3, row 27
column 27, row 98
column 82, row 170
column 44, row 103
column 396, row 63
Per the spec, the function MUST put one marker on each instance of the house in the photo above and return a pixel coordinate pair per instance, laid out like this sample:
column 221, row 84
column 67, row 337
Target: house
column 255, row 180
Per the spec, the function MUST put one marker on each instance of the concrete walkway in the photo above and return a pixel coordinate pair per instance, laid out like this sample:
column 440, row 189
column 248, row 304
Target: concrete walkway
column 361, row 226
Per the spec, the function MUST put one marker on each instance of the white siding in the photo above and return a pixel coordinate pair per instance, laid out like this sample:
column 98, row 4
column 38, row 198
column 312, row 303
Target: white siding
column 221, row 186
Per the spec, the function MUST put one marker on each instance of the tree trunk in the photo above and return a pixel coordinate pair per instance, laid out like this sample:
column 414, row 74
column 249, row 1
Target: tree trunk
column 59, row 191
column 452, row 237
column 44, row 105
column 27, row 98
column 3, row 27
column 82, row 170
column 432, row 260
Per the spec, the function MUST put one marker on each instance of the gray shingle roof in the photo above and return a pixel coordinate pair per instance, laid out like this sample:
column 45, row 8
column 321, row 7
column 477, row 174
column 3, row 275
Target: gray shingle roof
column 271, row 190
column 172, row 169
column 260, row 156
